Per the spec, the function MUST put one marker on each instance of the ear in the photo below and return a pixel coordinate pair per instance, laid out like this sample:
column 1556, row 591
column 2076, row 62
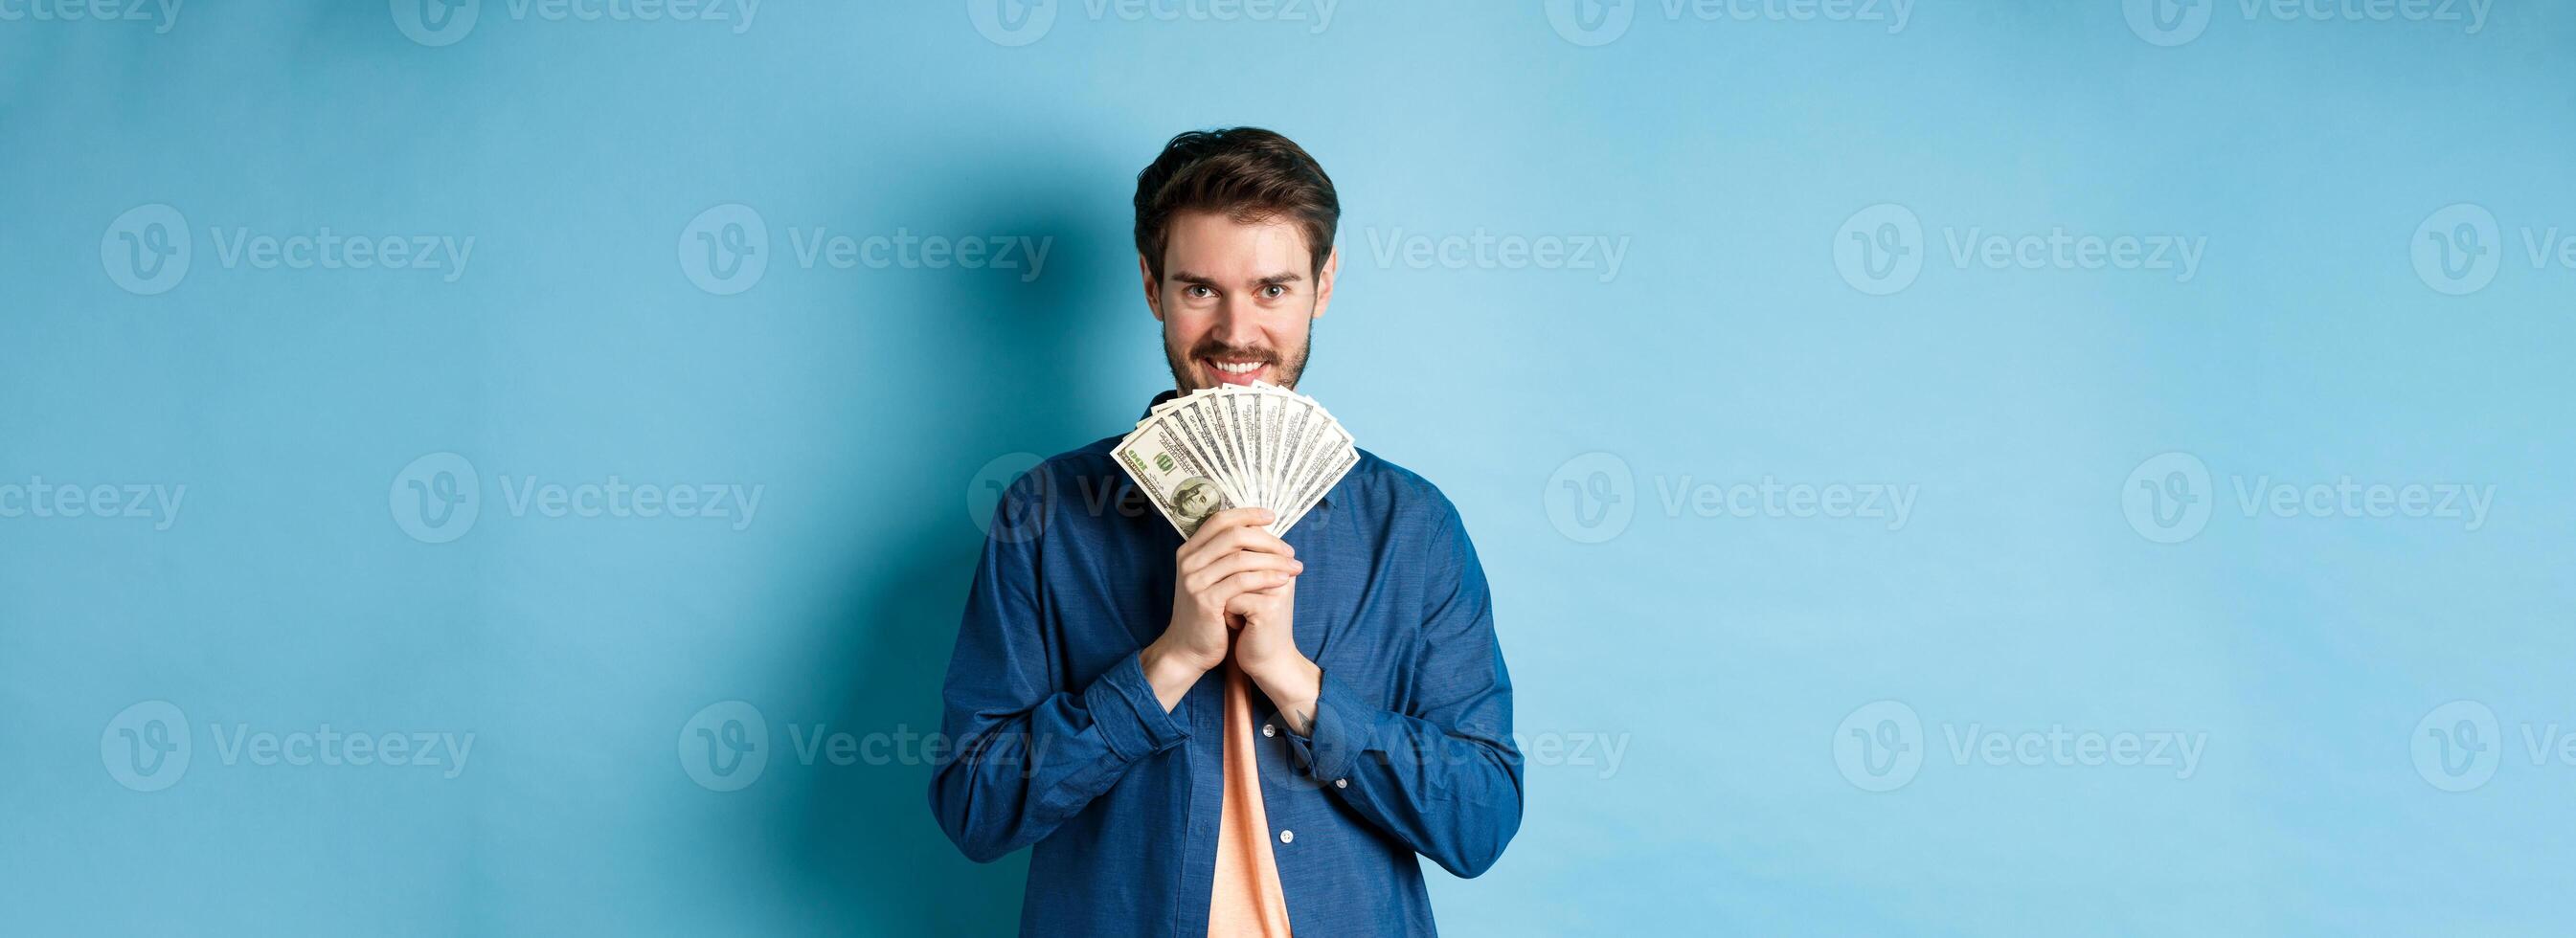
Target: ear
column 1153, row 290
column 1324, row 282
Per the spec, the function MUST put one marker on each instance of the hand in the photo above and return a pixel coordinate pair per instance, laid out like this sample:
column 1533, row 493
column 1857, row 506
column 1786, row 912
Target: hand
column 1266, row 636
column 1231, row 554
column 1265, row 650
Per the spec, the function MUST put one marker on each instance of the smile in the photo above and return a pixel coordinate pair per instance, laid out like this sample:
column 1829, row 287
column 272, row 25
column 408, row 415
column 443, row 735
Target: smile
column 1236, row 372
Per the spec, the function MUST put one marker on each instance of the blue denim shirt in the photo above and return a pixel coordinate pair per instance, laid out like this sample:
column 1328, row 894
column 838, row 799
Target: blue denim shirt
column 1061, row 743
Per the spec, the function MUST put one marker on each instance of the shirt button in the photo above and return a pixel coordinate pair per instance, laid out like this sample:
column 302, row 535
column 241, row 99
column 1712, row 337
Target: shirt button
column 1268, row 730
column 1287, row 836
column 1341, row 783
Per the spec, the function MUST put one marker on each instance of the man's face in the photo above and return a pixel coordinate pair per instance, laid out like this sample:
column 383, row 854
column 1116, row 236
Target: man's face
column 1237, row 300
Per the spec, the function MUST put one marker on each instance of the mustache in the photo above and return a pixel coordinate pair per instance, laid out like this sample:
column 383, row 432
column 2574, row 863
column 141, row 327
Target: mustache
column 1221, row 350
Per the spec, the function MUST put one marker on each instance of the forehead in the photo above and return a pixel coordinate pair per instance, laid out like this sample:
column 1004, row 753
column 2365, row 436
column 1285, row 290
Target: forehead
column 1215, row 245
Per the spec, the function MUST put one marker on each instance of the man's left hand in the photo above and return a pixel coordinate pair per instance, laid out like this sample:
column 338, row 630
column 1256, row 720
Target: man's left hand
column 1265, row 650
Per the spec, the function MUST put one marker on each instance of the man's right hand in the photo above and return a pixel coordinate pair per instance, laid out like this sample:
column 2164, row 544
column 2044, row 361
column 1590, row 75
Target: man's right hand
column 1232, row 553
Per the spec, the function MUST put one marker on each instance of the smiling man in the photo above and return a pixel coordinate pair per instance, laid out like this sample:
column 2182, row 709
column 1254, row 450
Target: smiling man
column 1236, row 734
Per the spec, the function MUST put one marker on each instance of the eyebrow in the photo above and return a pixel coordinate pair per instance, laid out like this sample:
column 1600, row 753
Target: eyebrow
column 1278, row 279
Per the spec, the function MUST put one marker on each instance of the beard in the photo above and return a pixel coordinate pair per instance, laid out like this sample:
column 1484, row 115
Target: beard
column 1284, row 369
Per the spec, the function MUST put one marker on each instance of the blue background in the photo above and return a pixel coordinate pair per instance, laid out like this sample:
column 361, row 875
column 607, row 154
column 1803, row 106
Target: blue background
column 872, row 405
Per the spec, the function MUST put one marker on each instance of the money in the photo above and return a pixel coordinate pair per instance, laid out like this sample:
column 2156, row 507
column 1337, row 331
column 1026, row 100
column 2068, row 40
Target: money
column 1236, row 446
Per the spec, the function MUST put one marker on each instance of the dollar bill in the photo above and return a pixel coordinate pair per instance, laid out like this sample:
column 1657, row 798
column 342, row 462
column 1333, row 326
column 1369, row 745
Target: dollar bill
column 1233, row 446
column 1166, row 469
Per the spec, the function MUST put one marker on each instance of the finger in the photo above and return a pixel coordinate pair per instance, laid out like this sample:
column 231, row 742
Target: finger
column 1232, row 540
column 1228, row 520
column 1252, row 538
column 1238, row 562
column 1223, row 592
column 1251, row 601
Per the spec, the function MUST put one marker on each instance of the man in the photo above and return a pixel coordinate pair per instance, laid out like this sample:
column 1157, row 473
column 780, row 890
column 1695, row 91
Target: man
column 1235, row 734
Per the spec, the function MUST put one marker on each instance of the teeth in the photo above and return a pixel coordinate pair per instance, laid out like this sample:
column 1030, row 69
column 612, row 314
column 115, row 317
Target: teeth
column 1239, row 369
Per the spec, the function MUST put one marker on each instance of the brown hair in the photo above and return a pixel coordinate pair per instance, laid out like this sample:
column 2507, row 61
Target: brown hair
column 1248, row 173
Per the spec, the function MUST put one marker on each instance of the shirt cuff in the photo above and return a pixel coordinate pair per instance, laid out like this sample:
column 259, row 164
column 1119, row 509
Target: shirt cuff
column 1344, row 727
column 1128, row 714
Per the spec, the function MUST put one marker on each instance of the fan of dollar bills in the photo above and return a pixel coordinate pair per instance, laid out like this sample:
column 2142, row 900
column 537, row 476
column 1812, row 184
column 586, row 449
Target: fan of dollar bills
column 1236, row 446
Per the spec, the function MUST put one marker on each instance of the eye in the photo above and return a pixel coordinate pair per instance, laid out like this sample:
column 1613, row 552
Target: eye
column 1273, row 291
column 1198, row 291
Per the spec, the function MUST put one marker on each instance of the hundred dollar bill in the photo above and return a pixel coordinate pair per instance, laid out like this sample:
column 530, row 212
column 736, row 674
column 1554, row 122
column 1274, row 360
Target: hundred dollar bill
column 1190, row 418
column 1331, row 455
column 1219, row 420
column 1320, row 478
column 1248, row 426
column 1300, row 430
column 1234, row 446
column 1159, row 458
column 1274, row 408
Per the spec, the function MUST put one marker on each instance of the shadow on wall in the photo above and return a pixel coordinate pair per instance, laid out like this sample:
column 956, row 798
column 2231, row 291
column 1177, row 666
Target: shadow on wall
column 871, row 857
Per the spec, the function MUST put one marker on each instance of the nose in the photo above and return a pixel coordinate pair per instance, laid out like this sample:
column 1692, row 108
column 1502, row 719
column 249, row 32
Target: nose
column 1236, row 325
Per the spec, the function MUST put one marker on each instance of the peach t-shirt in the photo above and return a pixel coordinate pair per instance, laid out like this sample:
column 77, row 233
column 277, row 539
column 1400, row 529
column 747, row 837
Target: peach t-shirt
column 1247, row 899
